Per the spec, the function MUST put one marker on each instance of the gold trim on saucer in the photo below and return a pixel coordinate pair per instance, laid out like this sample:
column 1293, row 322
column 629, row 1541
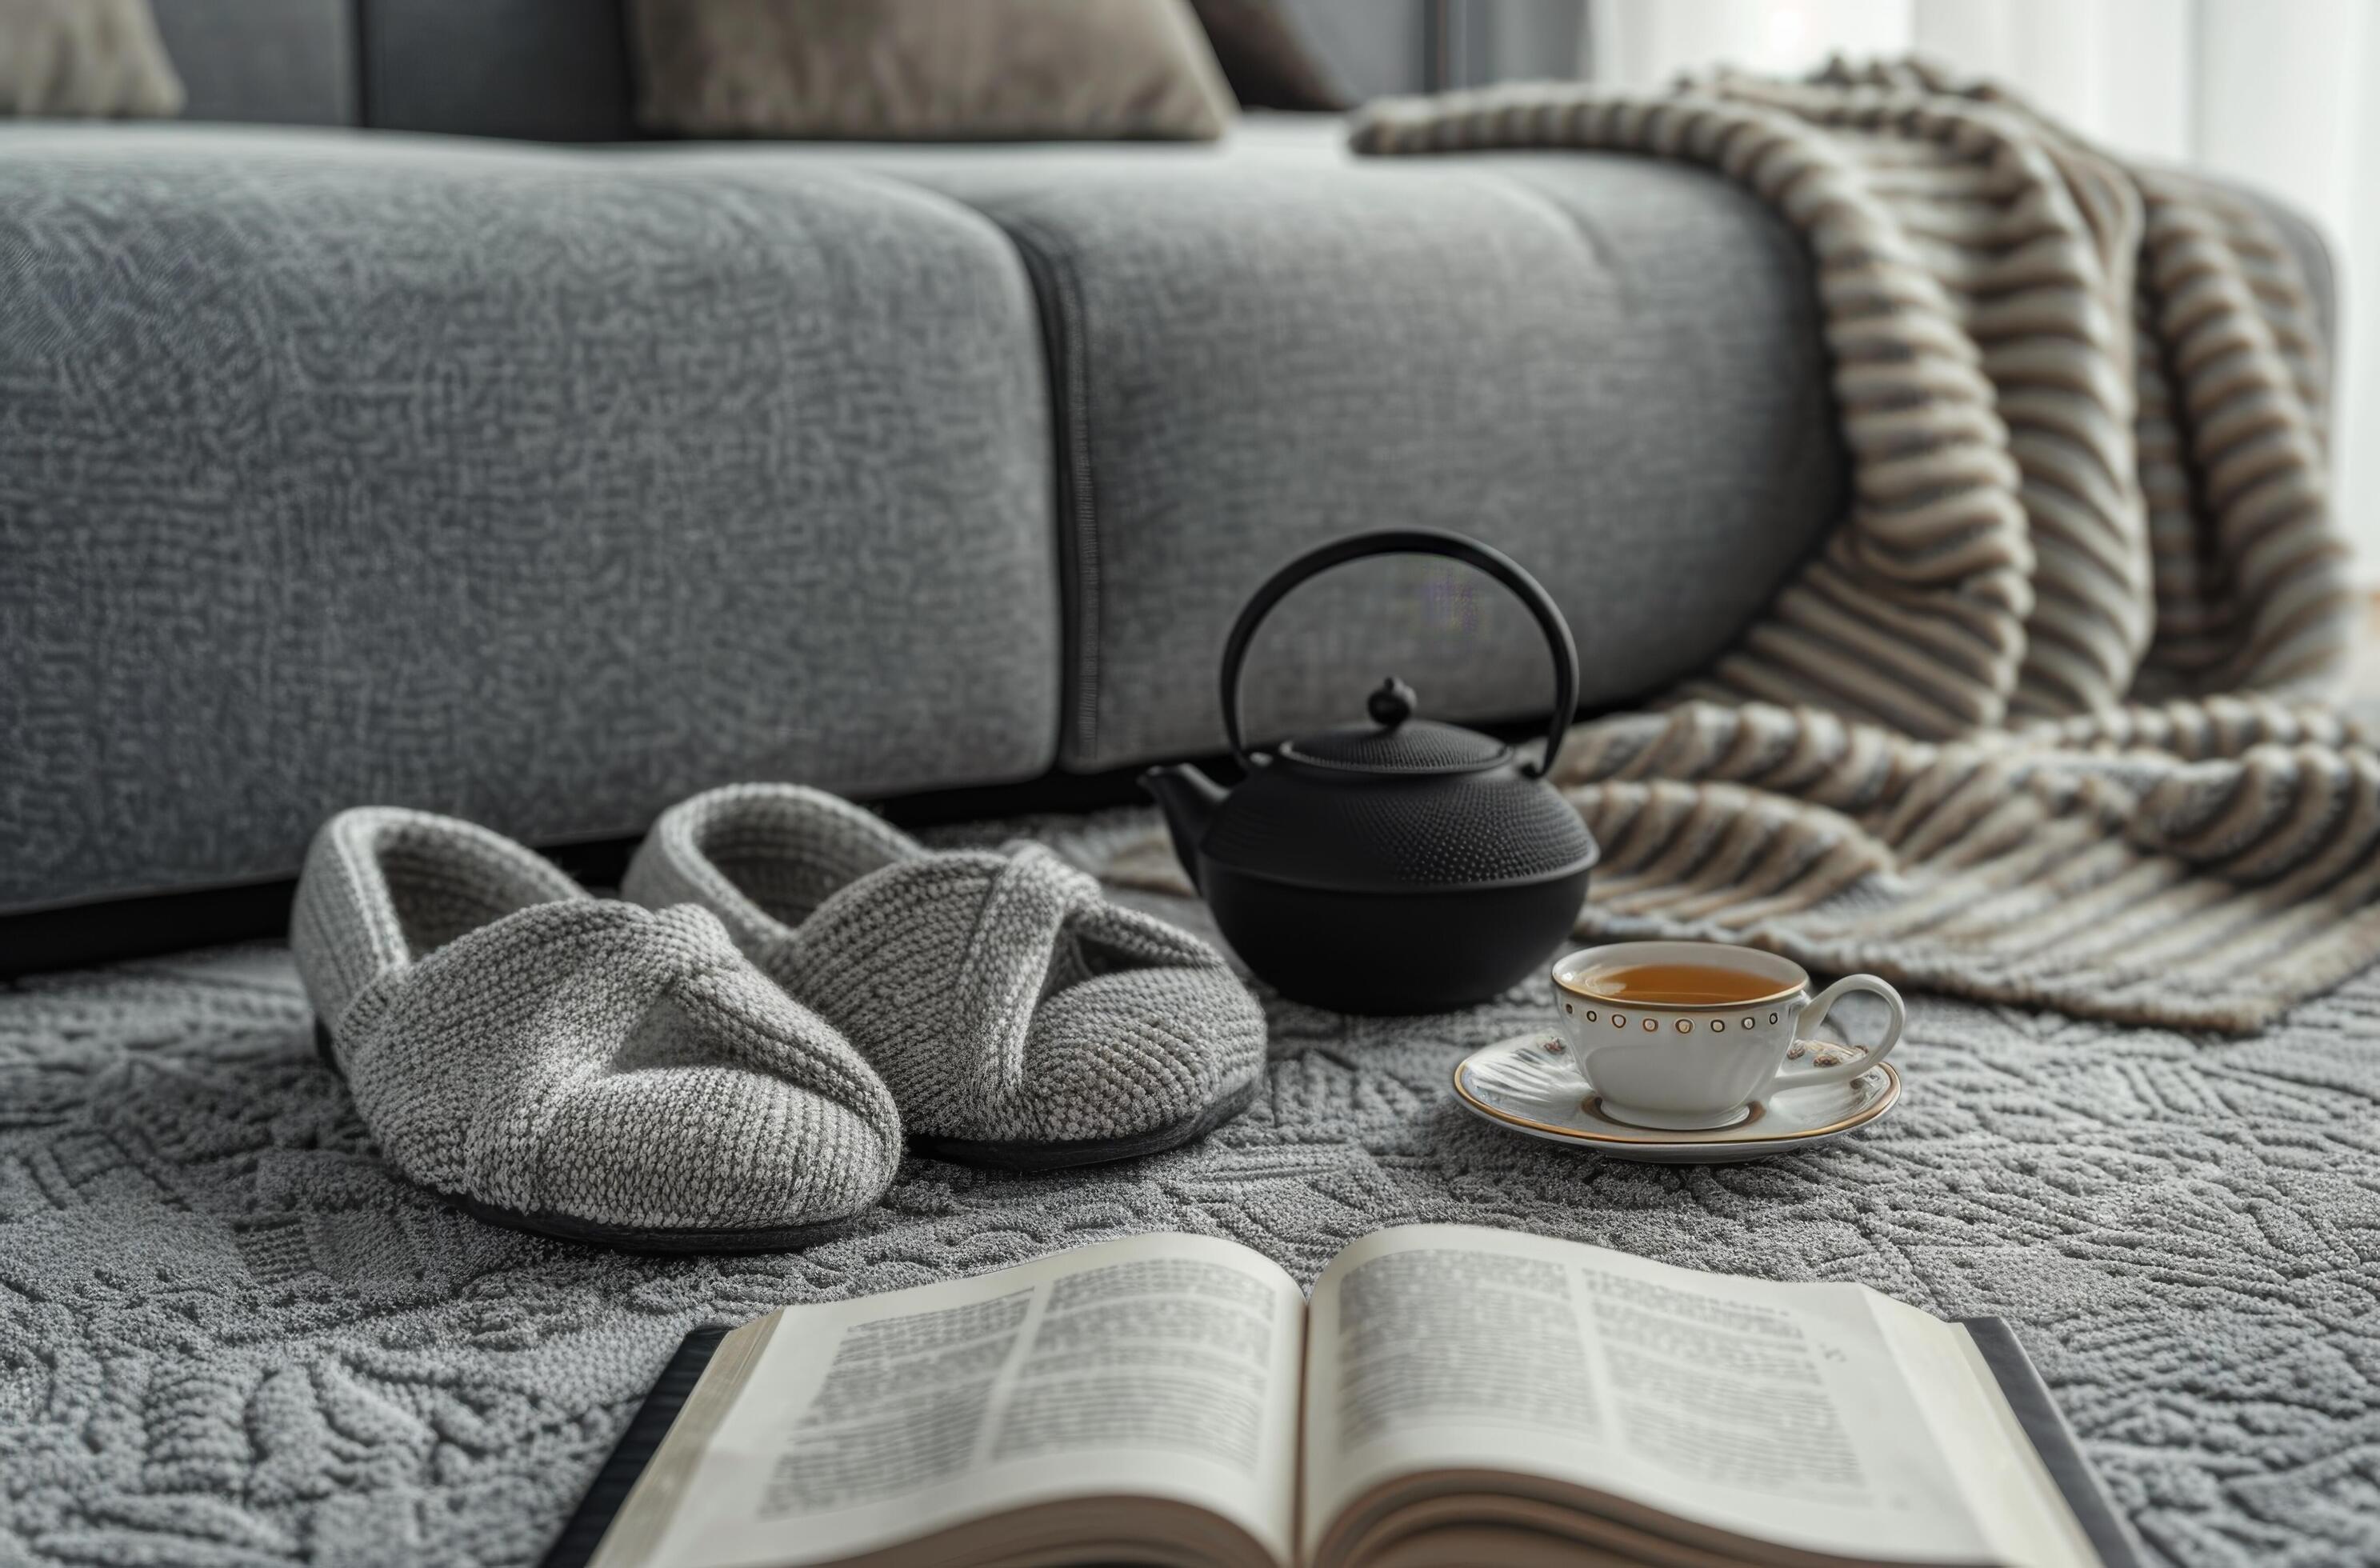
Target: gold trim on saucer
column 1884, row 1101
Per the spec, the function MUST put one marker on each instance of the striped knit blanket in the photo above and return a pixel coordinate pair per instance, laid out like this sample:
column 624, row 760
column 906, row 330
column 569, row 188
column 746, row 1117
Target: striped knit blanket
column 2021, row 730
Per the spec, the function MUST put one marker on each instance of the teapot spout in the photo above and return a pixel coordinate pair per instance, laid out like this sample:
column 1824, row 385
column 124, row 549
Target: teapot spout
column 1188, row 798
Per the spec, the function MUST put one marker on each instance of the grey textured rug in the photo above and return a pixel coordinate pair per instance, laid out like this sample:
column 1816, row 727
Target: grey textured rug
column 229, row 1335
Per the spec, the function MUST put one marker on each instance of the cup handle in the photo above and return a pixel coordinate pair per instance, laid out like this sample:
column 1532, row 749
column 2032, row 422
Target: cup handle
column 1792, row 1075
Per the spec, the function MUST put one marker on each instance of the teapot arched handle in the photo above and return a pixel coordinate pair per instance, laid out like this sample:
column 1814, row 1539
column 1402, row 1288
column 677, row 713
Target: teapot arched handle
column 1409, row 541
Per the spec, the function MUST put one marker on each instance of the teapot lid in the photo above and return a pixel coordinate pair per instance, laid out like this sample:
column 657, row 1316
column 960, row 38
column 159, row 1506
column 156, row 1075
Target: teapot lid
column 1454, row 817
column 1395, row 742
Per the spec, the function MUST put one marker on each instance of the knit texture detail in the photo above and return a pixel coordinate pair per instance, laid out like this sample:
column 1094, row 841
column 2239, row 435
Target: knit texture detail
column 2083, row 403
column 1001, row 994
column 512, row 1040
column 234, row 1337
column 2198, row 865
column 2020, row 731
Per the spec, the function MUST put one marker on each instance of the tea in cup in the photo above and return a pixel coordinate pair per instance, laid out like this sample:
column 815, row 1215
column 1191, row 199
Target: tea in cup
column 1686, row 1035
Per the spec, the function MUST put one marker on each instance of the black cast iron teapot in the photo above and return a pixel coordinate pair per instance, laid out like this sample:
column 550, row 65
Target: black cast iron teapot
column 1402, row 866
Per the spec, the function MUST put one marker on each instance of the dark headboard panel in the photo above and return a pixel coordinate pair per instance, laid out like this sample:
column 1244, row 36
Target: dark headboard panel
column 545, row 70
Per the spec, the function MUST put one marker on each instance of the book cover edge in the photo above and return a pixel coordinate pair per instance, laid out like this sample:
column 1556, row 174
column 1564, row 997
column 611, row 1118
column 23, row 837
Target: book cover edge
column 2036, row 1410
column 583, row 1531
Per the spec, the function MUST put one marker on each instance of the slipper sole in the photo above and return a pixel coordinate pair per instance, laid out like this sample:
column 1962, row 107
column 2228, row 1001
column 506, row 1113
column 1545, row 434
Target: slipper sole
column 631, row 1238
column 1029, row 1157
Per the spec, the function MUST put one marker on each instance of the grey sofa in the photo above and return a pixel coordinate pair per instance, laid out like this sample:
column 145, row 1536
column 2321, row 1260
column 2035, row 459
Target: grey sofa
column 546, row 483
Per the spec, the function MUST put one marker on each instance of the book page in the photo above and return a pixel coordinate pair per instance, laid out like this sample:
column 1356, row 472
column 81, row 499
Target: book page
column 2010, row 1490
column 1777, row 1411
column 1161, row 1366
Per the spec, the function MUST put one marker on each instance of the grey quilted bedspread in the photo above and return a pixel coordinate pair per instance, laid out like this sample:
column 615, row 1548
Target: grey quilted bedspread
column 229, row 1335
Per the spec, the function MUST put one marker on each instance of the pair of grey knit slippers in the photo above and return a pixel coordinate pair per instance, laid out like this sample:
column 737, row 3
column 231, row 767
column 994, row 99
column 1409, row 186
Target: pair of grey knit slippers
column 730, row 1056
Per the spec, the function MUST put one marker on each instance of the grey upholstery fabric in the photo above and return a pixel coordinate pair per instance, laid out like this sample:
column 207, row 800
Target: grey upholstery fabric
column 240, row 1337
column 1608, row 367
column 1004, row 1000
column 507, row 481
column 533, row 487
column 547, row 71
column 267, row 62
column 1646, row 437
column 575, row 1065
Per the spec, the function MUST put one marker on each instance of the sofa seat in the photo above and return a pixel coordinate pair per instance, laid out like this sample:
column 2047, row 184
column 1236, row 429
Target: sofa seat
column 545, row 485
column 1609, row 367
column 526, row 484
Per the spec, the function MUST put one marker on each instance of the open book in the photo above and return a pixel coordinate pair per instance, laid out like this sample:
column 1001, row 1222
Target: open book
column 1451, row 1395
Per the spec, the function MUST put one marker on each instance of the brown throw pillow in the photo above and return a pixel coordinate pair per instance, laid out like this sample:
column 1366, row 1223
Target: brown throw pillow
column 928, row 70
column 84, row 59
column 1267, row 63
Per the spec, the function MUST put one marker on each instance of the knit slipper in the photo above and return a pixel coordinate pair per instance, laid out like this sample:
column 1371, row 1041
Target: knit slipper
column 584, row 1068
column 1021, row 1019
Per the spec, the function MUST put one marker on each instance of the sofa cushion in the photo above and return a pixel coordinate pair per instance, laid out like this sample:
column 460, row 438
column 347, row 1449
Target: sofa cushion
column 534, row 487
column 1609, row 367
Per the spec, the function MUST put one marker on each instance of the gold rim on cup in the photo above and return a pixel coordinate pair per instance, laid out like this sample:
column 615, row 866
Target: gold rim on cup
column 1780, row 994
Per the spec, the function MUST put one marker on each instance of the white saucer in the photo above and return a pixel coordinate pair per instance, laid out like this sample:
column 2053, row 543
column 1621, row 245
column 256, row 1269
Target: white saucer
column 1529, row 1084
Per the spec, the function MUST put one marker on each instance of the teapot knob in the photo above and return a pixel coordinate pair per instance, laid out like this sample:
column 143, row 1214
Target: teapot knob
column 1390, row 704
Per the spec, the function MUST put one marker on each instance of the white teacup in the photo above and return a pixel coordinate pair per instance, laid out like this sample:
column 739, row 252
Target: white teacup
column 1684, row 1065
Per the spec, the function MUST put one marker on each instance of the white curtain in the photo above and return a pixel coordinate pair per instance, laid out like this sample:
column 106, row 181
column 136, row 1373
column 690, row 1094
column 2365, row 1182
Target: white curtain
column 2284, row 94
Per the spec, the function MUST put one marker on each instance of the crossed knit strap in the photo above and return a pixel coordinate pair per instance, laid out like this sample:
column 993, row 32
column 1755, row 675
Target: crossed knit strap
column 599, row 1053
column 1030, row 897
column 591, row 1067
column 1002, row 996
